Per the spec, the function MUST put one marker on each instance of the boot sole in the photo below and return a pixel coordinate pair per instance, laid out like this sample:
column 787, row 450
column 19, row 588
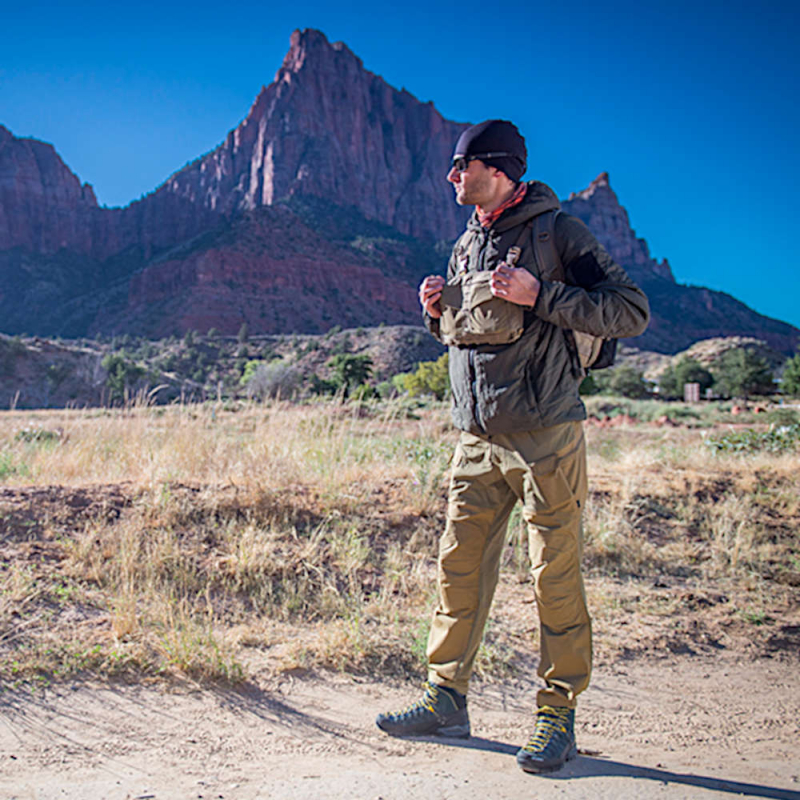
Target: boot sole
column 453, row 732
column 447, row 731
column 532, row 768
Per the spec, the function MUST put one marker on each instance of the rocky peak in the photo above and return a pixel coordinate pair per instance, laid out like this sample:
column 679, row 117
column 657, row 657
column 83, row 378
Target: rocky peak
column 327, row 127
column 600, row 182
column 313, row 45
column 43, row 205
column 597, row 205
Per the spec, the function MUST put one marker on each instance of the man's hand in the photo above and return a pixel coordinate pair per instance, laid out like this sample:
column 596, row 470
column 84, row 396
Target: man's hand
column 430, row 290
column 515, row 284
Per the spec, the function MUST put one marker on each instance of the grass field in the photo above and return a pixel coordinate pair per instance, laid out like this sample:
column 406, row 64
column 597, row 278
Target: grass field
column 224, row 542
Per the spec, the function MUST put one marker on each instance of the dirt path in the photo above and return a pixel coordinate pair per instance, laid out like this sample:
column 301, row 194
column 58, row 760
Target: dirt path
column 684, row 728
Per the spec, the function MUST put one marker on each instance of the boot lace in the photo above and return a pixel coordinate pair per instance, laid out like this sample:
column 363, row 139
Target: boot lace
column 427, row 702
column 551, row 723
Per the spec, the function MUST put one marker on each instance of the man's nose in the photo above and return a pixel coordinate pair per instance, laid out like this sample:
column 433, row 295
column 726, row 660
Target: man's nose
column 454, row 176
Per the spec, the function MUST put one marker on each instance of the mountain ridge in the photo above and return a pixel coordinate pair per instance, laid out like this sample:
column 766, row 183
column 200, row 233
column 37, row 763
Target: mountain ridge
column 335, row 179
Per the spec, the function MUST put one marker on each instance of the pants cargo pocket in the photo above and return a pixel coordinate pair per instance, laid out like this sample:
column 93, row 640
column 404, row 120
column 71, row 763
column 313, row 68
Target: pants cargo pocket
column 551, row 491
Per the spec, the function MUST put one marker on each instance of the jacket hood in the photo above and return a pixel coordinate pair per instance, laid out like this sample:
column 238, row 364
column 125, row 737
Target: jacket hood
column 538, row 199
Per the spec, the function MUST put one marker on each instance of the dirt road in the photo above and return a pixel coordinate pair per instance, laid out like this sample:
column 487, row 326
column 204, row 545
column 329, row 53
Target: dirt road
column 680, row 728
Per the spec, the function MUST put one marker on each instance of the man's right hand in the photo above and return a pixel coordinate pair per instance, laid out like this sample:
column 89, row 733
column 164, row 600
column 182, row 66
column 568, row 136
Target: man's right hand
column 430, row 290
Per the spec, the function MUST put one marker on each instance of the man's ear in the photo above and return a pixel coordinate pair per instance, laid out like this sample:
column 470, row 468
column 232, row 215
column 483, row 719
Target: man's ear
column 501, row 176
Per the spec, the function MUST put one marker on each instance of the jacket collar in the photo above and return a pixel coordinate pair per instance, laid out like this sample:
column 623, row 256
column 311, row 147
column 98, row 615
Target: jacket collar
column 538, row 199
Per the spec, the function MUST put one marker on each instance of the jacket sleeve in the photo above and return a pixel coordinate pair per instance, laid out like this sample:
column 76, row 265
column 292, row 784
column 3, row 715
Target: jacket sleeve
column 598, row 297
column 433, row 324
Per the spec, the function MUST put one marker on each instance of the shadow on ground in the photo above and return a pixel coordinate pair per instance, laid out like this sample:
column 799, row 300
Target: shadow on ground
column 589, row 766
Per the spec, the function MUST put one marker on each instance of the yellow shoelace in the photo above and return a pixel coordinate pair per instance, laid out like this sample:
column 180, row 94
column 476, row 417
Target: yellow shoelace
column 428, row 700
column 549, row 721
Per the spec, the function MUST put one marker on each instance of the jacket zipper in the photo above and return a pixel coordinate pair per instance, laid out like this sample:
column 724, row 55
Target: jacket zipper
column 473, row 373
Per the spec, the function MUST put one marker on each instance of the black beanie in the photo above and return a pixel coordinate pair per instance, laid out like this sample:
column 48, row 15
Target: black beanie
column 495, row 136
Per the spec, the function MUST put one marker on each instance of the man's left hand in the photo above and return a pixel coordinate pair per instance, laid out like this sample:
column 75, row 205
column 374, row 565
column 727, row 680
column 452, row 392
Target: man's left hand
column 515, row 284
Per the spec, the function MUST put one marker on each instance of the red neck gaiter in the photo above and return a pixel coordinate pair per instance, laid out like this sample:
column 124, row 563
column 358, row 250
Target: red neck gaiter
column 486, row 219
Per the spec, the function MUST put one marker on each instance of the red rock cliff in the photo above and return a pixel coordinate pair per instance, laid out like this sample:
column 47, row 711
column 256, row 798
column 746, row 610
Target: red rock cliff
column 43, row 206
column 599, row 208
column 327, row 127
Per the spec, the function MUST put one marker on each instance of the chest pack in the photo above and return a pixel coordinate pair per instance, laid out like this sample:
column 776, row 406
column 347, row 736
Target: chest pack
column 471, row 314
column 590, row 351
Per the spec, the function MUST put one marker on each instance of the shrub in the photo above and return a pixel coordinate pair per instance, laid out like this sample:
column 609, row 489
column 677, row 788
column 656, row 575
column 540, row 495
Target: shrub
column 431, row 377
column 385, row 389
column 37, row 435
column 687, row 370
column 783, row 416
column 273, row 379
column 363, row 392
column 321, row 385
column 588, row 386
column 775, row 440
column 344, row 345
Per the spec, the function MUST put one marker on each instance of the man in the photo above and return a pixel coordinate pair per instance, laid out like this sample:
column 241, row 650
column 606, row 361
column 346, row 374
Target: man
column 520, row 415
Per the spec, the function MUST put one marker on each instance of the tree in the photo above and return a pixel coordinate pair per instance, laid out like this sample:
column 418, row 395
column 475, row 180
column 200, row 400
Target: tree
column 319, row 385
column 122, row 375
column 687, row 370
column 430, row 377
column 10, row 349
column 790, row 383
column 348, row 370
column 742, row 372
column 623, row 380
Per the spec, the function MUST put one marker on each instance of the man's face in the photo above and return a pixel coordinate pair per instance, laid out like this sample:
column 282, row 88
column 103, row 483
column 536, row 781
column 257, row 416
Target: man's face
column 476, row 185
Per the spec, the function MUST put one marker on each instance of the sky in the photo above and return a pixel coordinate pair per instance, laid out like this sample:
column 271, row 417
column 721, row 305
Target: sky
column 691, row 107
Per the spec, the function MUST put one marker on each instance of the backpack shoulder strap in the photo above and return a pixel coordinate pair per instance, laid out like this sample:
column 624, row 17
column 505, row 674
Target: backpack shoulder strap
column 549, row 261
column 544, row 246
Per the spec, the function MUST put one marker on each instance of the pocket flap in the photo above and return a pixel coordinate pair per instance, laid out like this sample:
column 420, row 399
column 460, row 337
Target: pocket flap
column 451, row 295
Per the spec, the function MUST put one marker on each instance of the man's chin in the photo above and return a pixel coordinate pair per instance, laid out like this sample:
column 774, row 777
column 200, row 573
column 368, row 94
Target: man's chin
column 462, row 200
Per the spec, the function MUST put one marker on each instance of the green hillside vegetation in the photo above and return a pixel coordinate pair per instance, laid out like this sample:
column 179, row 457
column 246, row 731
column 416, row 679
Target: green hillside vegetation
column 361, row 363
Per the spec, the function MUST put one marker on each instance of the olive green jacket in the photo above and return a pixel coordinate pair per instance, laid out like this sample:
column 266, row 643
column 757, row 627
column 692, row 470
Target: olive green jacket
column 533, row 382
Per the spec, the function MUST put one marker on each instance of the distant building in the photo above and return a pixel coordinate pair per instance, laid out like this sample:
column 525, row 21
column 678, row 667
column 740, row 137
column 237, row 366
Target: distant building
column 691, row 392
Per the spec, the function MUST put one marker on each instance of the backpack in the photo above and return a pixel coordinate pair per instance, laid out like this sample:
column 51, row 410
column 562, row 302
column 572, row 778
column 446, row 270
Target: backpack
column 590, row 351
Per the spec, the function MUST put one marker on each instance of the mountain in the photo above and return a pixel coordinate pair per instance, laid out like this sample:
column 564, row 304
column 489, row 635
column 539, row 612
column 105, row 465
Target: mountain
column 325, row 206
column 681, row 315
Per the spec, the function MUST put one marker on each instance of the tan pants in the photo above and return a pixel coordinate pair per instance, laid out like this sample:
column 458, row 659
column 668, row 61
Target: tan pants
column 546, row 470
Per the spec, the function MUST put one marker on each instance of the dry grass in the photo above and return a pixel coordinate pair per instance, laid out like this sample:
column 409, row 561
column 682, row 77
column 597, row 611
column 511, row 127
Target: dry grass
column 216, row 543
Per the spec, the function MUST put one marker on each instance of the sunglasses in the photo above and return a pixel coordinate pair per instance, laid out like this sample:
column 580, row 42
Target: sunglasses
column 460, row 163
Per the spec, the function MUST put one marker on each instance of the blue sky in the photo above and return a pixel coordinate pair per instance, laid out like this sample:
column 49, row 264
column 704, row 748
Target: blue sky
column 691, row 107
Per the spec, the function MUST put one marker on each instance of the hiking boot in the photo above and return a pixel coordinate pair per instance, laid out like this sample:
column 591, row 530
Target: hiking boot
column 440, row 712
column 552, row 742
